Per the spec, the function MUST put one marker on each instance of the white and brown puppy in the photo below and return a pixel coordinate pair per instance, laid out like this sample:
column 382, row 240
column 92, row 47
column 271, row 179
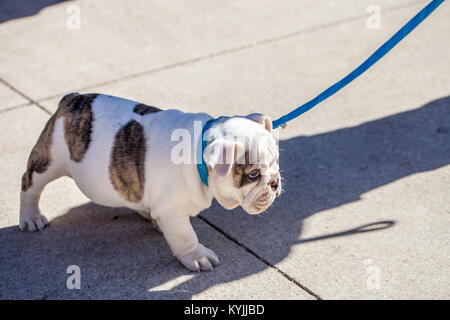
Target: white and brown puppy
column 120, row 154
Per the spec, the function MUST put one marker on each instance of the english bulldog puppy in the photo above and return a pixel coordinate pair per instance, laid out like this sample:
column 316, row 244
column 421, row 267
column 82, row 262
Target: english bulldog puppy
column 123, row 153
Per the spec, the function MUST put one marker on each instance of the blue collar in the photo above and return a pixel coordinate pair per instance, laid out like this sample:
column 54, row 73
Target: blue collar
column 201, row 165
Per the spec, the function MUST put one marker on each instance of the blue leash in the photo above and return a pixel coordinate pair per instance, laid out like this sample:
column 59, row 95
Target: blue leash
column 377, row 55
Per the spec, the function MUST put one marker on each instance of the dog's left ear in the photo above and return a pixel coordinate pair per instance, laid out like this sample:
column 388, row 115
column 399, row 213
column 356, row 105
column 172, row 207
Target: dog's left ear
column 221, row 154
column 262, row 119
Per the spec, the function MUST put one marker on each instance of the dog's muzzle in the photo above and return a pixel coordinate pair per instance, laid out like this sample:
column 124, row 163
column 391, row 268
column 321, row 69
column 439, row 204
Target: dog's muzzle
column 260, row 200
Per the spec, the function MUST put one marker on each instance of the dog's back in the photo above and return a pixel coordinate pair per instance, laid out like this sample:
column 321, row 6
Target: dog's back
column 104, row 143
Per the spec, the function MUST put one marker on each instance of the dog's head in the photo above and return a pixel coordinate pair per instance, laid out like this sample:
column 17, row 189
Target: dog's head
column 242, row 160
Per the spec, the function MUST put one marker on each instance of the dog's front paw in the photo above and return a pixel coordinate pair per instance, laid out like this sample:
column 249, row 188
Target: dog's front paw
column 201, row 258
column 33, row 222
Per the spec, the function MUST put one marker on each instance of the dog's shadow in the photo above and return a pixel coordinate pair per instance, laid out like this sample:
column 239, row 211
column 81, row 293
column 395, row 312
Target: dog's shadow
column 122, row 256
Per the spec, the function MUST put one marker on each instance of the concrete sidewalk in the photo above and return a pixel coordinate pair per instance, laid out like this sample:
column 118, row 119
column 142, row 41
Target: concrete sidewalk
column 366, row 211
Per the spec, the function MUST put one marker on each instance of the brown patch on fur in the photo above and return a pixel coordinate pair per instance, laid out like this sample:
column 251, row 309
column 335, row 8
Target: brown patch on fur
column 77, row 113
column 126, row 168
column 143, row 109
column 40, row 156
column 241, row 171
column 78, row 118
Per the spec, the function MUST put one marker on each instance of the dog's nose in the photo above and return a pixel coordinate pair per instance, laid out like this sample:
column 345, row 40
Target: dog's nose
column 274, row 184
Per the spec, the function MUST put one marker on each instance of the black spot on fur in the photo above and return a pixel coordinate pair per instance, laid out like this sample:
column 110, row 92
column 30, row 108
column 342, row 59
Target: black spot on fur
column 143, row 109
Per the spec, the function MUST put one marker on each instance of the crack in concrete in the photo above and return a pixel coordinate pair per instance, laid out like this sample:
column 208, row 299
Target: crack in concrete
column 16, row 107
column 253, row 253
column 23, row 95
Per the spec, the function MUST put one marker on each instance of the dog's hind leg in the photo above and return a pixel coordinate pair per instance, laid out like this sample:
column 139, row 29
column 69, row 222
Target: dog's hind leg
column 30, row 215
column 43, row 167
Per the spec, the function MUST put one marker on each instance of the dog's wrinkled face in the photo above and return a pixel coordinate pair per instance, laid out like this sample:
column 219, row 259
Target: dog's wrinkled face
column 242, row 159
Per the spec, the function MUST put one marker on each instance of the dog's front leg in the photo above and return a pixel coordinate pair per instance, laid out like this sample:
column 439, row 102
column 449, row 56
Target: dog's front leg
column 183, row 242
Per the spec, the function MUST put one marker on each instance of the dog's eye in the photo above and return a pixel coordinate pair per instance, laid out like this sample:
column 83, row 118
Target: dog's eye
column 254, row 174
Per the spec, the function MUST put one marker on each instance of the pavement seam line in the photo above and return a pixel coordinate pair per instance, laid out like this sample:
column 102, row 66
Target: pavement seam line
column 23, row 95
column 26, row 104
column 232, row 50
column 253, row 253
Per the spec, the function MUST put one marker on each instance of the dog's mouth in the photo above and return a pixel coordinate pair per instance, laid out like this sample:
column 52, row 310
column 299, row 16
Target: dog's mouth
column 260, row 203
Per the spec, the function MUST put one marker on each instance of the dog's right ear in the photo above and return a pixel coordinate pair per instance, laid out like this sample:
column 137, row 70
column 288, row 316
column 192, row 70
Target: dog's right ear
column 220, row 155
column 262, row 119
